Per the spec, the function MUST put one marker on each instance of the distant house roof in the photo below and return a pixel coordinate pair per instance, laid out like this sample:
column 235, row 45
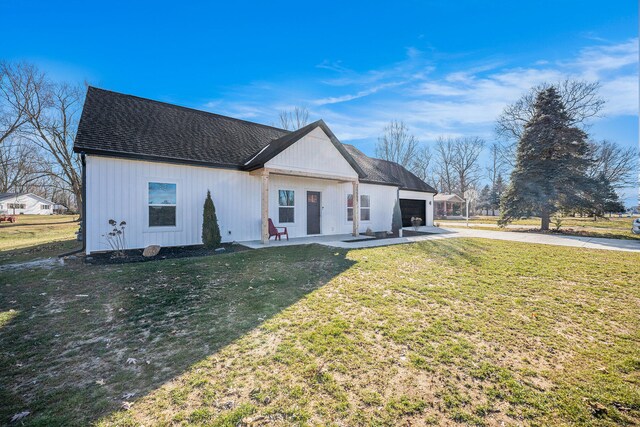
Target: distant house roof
column 448, row 198
column 9, row 195
column 5, row 196
column 128, row 126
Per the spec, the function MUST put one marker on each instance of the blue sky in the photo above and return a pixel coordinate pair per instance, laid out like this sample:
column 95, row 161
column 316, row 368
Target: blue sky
column 445, row 67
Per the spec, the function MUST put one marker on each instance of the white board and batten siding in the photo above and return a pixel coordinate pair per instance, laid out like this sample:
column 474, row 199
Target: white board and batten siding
column 313, row 153
column 26, row 204
column 419, row 195
column 118, row 189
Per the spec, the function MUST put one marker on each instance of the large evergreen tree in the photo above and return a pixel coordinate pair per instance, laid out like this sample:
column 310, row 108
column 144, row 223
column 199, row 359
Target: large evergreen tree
column 551, row 163
column 210, row 231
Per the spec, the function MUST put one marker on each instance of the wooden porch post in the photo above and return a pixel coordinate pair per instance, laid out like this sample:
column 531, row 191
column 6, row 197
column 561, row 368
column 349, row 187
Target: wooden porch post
column 265, row 207
column 356, row 208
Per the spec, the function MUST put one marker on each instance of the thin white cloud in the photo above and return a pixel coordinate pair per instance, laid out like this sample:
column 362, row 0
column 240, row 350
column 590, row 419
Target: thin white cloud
column 434, row 102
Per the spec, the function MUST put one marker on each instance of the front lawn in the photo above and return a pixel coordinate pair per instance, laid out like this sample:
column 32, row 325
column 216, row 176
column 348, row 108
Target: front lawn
column 459, row 330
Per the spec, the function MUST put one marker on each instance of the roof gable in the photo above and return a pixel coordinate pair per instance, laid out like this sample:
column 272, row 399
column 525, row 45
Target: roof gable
column 278, row 146
column 314, row 153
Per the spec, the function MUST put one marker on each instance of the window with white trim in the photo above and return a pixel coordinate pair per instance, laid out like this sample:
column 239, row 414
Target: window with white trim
column 365, row 207
column 286, row 206
column 162, row 204
column 45, row 207
column 17, row 206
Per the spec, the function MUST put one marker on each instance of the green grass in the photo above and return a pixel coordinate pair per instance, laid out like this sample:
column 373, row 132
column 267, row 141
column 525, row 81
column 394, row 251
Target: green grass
column 459, row 330
column 37, row 236
column 612, row 228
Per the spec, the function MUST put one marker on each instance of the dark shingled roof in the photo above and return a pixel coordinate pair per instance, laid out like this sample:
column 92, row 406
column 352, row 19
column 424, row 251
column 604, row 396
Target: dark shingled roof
column 380, row 171
column 114, row 123
column 127, row 126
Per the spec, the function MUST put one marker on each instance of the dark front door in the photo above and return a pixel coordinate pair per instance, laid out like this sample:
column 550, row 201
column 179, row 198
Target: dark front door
column 313, row 212
column 412, row 208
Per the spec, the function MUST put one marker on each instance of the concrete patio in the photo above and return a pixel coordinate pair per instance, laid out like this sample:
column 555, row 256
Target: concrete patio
column 347, row 241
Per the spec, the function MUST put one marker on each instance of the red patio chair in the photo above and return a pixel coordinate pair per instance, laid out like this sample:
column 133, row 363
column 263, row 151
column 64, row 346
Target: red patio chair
column 273, row 231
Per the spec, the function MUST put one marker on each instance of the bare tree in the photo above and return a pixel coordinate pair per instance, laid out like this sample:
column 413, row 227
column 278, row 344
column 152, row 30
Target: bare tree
column 295, row 119
column 496, row 163
column 18, row 85
column 421, row 164
column 53, row 117
column 580, row 98
column 445, row 157
column 618, row 165
column 15, row 165
column 397, row 144
column 466, row 162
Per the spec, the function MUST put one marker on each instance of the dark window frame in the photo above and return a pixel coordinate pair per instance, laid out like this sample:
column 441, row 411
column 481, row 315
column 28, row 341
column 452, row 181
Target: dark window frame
column 172, row 208
column 363, row 208
column 288, row 209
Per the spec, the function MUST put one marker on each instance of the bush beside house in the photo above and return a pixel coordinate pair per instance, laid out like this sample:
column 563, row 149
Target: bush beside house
column 210, row 231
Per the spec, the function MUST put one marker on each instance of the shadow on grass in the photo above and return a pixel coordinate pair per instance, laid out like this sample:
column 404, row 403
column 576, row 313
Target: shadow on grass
column 45, row 250
column 87, row 338
column 471, row 251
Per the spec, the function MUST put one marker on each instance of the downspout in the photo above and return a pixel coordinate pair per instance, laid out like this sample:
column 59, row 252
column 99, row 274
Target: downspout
column 84, row 209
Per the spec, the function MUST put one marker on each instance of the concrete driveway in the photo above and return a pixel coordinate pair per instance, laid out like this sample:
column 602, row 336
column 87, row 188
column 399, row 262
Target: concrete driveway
column 451, row 233
column 548, row 239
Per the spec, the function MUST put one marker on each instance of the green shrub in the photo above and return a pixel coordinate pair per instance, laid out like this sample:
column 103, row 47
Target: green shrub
column 396, row 220
column 210, row 231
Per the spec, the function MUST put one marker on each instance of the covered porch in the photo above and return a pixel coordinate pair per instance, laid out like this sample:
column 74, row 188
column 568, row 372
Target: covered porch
column 309, row 204
column 448, row 206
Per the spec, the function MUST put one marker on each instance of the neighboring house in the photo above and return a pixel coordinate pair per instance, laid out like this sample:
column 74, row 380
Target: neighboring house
column 150, row 164
column 25, row 203
column 449, row 205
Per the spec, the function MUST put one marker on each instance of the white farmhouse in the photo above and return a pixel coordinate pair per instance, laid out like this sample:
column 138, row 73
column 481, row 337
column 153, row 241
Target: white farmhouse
column 150, row 164
column 25, row 203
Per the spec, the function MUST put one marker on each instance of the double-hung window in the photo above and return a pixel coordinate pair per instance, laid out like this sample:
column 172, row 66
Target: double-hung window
column 365, row 207
column 162, row 204
column 286, row 206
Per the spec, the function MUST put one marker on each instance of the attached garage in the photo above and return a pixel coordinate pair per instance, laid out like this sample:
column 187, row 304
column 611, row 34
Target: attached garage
column 413, row 208
column 416, row 204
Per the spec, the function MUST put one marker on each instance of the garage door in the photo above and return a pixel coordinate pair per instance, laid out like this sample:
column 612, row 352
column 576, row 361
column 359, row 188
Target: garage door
column 412, row 208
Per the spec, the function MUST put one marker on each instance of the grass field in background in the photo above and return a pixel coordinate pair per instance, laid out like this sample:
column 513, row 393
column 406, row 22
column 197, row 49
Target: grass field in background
column 37, row 236
column 613, row 228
